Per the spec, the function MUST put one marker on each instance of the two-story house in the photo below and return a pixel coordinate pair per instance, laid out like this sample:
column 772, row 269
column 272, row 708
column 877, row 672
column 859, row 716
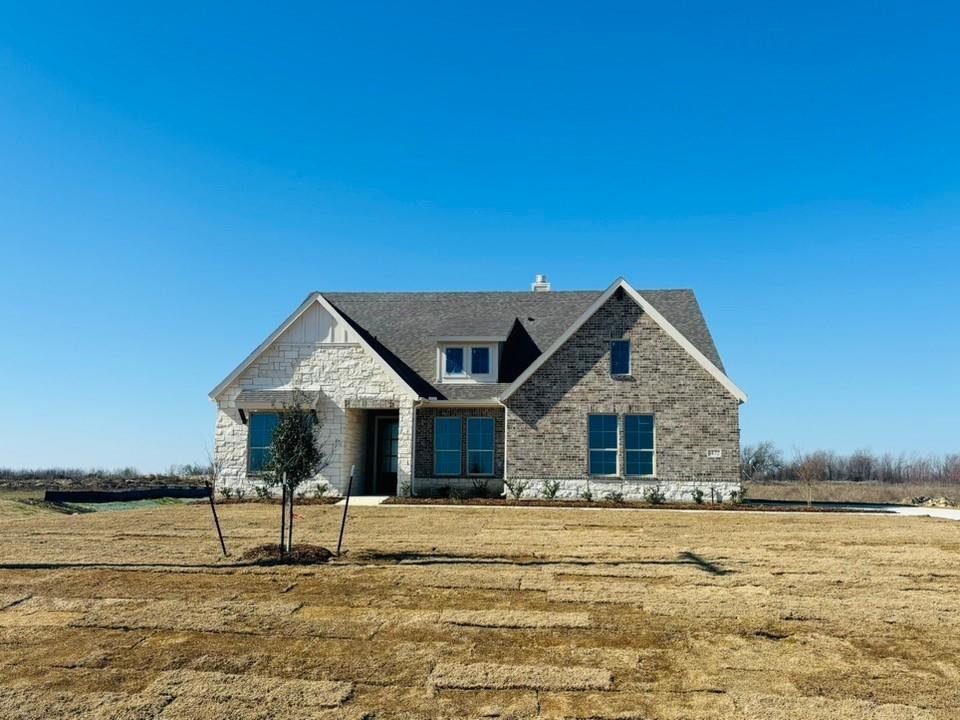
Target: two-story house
column 615, row 390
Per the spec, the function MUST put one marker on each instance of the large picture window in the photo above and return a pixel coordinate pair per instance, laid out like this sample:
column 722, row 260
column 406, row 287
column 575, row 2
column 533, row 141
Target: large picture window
column 447, row 442
column 639, row 445
column 260, row 431
column 603, row 436
column 480, row 441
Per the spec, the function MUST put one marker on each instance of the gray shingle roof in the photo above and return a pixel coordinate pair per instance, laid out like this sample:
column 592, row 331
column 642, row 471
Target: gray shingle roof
column 405, row 326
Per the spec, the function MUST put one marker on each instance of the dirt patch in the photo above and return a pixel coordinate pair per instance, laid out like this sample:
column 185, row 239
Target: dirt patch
column 299, row 555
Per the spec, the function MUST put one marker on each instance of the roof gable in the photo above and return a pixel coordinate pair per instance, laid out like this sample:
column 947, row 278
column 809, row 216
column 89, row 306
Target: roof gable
column 711, row 367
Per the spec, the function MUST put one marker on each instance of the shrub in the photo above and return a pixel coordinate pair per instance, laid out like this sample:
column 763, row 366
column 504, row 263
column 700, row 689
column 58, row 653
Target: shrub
column 614, row 496
column 587, row 494
column 550, row 489
column 226, row 492
column 516, row 487
column 698, row 496
column 406, row 489
column 241, row 492
column 481, row 488
column 457, row 494
column 320, row 489
column 737, row 496
column 654, row 495
column 716, row 495
column 262, row 491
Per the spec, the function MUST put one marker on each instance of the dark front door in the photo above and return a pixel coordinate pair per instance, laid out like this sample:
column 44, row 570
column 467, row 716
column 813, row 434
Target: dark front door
column 385, row 475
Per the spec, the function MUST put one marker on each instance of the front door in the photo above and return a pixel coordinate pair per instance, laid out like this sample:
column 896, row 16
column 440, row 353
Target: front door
column 385, row 475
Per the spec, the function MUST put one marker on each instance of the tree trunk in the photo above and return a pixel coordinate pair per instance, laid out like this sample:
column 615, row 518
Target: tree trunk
column 283, row 517
column 290, row 532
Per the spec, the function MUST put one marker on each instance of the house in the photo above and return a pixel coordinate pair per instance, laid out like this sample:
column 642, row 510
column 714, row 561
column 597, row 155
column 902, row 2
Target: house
column 614, row 390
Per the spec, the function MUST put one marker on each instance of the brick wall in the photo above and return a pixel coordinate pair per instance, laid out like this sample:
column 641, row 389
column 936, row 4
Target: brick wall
column 423, row 457
column 547, row 416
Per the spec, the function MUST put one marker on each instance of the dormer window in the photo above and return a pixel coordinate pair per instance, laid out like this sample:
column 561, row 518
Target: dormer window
column 467, row 362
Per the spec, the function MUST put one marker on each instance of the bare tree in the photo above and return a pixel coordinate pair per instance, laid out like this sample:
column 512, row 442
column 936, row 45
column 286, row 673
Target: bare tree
column 811, row 469
column 760, row 461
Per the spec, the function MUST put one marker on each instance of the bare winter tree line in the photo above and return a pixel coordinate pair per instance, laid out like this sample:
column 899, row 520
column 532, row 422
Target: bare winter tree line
column 764, row 462
column 127, row 473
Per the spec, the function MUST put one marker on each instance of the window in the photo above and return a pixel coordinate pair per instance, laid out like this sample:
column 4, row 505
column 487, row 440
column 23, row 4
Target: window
column 480, row 446
column 446, row 446
column 620, row 357
column 454, row 361
column 260, row 431
column 467, row 363
column 604, row 432
column 639, row 444
column 480, row 361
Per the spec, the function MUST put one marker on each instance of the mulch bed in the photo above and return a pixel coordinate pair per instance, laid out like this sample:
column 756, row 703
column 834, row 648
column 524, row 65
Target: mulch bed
column 634, row 504
column 299, row 555
column 324, row 500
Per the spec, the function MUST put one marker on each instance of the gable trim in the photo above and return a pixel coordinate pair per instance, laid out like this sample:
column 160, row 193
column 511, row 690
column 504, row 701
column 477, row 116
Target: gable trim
column 648, row 308
column 312, row 298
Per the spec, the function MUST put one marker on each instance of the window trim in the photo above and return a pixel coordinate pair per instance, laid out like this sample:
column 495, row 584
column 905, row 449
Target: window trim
column 629, row 372
column 437, row 451
column 616, row 450
column 468, row 376
column 492, row 451
column 251, row 472
column 653, row 465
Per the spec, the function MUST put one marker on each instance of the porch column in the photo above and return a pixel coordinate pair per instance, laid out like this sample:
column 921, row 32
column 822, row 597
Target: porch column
column 405, row 445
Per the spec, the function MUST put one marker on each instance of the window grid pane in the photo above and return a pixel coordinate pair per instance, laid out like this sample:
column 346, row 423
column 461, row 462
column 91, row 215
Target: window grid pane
column 603, row 431
column 638, row 436
column 447, row 443
column 620, row 357
column 480, row 445
column 454, row 361
column 479, row 361
column 261, row 430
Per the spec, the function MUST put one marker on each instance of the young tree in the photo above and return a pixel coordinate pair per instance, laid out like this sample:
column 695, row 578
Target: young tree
column 811, row 469
column 295, row 457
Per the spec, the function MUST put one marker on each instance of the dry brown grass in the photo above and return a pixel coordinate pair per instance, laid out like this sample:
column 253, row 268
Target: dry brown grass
column 481, row 612
column 864, row 492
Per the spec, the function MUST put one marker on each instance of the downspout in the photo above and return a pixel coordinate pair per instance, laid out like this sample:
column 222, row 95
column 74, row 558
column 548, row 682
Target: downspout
column 505, row 436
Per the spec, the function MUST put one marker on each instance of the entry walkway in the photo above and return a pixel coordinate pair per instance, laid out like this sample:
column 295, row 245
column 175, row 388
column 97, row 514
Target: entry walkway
column 365, row 500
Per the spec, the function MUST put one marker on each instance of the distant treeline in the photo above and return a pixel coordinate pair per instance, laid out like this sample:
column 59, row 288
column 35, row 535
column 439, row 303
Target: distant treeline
column 127, row 473
column 764, row 462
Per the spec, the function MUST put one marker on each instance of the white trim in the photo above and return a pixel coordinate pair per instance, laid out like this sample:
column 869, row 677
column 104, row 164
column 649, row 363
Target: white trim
column 468, row 377
column 312, row 298
column 707, row 365
column 468, row 339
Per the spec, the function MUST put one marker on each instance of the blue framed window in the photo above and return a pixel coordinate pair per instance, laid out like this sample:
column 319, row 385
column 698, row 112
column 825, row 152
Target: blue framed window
column 447, row 441
column 260, row 429
column 639, row 444
column 480, row 441
column 604, row 432
column 620, row 357
column 480, row 361
column 454, row 361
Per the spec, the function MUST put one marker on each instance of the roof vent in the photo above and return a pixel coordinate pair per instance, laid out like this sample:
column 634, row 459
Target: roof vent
column 540, row 284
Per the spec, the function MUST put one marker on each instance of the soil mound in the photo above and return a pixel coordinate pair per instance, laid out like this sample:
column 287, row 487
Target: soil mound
column 299, row 555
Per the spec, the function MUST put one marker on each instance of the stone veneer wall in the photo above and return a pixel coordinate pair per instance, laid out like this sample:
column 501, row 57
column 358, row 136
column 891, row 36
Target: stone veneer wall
column 347, row 378
column 423, row 469
column 547, row 417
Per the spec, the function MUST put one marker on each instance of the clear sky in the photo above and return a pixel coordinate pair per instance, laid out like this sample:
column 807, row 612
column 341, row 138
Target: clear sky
column 174, row 182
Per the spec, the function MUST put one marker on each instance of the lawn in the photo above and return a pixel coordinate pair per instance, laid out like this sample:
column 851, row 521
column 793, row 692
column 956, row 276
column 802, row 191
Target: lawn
column 469, row 612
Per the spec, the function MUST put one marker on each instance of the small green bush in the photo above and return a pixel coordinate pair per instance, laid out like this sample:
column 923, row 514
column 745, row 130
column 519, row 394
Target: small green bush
column 698, row 496
column 550, row 489
column 262, row 491
column 241, row 492
column 320, row 489
column 457, row 494
column 587, row 494
column 226, row 492
column 481, row 488
column 654, row 495
column 516, row 487
column 614, row 496
column 406, row 489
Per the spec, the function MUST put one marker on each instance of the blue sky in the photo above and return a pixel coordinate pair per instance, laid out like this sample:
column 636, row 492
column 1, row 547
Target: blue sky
column 174, row 182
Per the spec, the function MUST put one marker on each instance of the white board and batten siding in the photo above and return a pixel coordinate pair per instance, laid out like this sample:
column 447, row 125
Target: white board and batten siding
column 316, row 326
